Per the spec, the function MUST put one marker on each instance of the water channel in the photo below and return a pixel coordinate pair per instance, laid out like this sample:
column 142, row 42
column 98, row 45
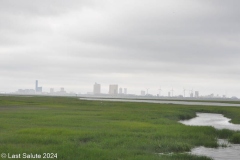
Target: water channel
column 218, row 121
column 163, row 101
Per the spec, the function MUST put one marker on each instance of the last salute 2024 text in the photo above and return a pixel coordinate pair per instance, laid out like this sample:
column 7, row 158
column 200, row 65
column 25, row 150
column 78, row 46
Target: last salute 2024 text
column 32, row 156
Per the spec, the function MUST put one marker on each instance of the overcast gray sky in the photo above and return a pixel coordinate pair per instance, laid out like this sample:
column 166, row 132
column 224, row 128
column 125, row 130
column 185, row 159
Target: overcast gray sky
column 136, row 44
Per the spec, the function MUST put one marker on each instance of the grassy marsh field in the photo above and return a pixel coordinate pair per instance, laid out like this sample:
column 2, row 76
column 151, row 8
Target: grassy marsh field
column 100, row 130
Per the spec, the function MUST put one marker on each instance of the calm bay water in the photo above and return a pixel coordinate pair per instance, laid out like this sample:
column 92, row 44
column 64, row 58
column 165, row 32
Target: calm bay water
column 163, row 102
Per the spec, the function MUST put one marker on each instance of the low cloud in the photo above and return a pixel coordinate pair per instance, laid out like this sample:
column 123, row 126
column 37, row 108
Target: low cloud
column 120, row 42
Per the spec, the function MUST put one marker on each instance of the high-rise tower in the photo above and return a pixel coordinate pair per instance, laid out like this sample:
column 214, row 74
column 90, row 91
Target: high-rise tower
column 37, row 89
column 36, row 86
column 113, row 89
column 96, row 88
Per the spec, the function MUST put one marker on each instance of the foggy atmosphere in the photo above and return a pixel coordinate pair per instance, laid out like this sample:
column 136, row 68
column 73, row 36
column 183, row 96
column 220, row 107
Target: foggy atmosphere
column 120, row 79
column 136, row 44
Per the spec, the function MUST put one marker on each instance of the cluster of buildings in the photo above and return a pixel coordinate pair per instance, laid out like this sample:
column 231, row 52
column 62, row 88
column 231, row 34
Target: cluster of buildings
column 113, row 89
column 26, row 91
column 191, row 94
column 30, row 91
column 39, row 90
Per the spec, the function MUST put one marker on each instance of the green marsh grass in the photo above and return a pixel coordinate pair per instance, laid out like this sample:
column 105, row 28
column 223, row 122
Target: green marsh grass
column 78, row 129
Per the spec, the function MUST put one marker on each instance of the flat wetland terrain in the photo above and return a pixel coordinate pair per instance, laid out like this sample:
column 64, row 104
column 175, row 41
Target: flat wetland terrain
column 101, row 130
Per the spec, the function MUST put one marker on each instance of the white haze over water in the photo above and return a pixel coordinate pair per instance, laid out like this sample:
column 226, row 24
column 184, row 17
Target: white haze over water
column 135, row 44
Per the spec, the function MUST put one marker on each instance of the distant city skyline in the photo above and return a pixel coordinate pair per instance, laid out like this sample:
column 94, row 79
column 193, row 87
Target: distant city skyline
column 115, row 90
column 135, row 44
column 133, row 90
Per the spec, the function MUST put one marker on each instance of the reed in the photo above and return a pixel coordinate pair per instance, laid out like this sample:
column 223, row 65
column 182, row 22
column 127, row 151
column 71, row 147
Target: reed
column 77, row 129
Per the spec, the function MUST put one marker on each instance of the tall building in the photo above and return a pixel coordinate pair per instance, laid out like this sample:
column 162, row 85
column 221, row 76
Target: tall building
column 36, row 86
column 62, row 91
column 38, row 89
column 51, row 90
column 120, row 91
column 96, row 88
column 125, row 90
column 142, row 93
column 113, row 89
column 196, row 93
